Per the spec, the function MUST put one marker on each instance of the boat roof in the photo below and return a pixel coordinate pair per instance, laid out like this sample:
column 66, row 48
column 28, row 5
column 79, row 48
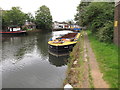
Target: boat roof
column 69, row 35
column 61, row 32
column 57, row 34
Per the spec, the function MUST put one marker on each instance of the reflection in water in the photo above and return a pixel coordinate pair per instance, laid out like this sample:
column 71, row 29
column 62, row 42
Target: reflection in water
column 41, row 42
column 58, row 61
column 27, row 63
column 14, row 48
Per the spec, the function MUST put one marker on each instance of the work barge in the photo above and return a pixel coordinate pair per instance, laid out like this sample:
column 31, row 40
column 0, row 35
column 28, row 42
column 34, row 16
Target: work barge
column 63, row 45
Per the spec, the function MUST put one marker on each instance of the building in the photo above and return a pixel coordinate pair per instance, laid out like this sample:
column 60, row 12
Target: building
column 60, row 25
column 29, row 25
column 117, row 23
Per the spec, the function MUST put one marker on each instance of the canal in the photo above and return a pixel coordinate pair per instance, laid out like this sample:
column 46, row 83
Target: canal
column 26, row 63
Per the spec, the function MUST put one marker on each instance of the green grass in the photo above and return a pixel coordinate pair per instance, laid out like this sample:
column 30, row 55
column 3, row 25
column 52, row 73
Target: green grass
column 107, row 57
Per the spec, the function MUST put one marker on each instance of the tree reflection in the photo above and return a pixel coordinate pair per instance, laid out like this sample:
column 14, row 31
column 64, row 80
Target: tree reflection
column 14, row 48
column 42, row 42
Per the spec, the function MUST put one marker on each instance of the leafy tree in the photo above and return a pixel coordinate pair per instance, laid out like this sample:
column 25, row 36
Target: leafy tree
column 80, row 10
column 98, row 17
column 43, row 18
column 0, row 18
column 13, row 17
column 29, row 17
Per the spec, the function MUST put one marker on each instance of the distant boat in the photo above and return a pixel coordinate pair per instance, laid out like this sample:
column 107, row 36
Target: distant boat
column 13, row 32
column 76, row 29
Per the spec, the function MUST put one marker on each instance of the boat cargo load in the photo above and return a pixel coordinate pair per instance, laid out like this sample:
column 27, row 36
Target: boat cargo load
column 64, row 44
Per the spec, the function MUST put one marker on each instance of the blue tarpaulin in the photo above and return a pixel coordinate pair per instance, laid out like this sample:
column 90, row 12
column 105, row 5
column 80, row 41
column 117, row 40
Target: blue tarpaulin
column 77, row 29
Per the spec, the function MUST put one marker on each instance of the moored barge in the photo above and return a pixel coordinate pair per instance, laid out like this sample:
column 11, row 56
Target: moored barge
column 64, row 44
column 14, row 32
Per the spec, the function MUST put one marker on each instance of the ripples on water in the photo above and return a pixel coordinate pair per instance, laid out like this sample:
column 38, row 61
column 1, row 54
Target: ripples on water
column 26, row 63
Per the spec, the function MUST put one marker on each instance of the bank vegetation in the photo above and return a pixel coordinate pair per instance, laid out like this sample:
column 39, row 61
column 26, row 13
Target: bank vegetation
column 98, row 18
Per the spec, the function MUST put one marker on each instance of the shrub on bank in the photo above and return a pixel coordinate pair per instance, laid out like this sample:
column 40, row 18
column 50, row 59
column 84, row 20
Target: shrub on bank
column 105, row 34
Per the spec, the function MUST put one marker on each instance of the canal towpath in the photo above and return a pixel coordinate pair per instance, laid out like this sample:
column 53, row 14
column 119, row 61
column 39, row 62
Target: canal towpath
column 83, row 70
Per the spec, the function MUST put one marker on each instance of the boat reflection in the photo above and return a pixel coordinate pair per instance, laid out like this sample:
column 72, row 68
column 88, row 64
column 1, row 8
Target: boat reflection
column 58, row 61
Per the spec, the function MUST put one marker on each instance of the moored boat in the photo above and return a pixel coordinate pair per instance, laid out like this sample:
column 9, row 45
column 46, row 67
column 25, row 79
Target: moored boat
column 64, row 44
column 13, row 32
column 76, row 29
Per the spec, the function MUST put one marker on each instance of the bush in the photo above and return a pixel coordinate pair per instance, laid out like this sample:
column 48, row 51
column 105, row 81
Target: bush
column 96, row 24
column 98, row 17
column 24, row 28
column 105, row 34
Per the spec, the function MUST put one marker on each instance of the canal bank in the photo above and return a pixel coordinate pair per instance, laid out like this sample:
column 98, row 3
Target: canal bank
column 75, row 69
column 83, row 68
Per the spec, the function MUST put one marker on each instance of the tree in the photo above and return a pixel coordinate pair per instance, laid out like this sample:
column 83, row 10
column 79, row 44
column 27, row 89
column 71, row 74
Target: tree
column 29, row 17
column 0, row 19
column 98, row 17
column 80, row 10
column 43, row 18
column 13, row 17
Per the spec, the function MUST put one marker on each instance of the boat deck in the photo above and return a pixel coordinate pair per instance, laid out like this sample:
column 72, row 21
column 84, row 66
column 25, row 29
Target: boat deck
column 67, row 39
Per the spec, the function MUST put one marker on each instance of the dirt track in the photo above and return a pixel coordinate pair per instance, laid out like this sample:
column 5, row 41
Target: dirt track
column 86, row 74
column 98, row 81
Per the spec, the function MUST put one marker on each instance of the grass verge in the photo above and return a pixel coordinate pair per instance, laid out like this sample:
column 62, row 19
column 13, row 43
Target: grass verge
column 107, row 57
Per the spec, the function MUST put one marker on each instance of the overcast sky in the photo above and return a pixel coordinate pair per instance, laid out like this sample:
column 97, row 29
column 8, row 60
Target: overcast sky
column 61, row 10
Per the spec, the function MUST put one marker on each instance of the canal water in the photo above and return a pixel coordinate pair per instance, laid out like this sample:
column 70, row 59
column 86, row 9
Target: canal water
column 26, row 63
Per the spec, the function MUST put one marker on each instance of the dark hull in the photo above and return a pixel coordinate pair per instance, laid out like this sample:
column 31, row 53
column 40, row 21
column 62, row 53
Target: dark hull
column 60, row 50
column 12, row 33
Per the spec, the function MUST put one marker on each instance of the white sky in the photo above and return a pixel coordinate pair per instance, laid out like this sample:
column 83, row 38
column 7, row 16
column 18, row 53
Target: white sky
column 61, row 10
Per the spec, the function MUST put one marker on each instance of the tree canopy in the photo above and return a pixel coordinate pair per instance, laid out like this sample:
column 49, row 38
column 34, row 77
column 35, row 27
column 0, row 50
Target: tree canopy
column 29, row 17
column 98, row 17
column 43, row 18
column 13, row 17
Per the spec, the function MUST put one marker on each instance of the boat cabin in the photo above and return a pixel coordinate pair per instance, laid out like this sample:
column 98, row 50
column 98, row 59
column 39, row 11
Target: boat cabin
column 14, row 28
